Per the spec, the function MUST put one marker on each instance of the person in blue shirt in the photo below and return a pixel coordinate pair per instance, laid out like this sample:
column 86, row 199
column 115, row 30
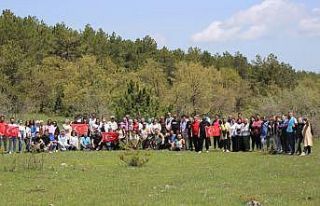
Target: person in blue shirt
column 85, row 143
column 264, row 133
column 290, row 133
column 172, row 140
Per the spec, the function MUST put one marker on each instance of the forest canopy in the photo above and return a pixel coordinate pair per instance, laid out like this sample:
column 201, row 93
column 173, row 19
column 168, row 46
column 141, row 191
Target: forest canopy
column 57, row 69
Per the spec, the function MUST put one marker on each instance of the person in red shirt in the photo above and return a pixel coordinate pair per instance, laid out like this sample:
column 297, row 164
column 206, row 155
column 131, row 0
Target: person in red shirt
column 195, row 130
column 217, row 133
column 3, row 138
column 256, row 130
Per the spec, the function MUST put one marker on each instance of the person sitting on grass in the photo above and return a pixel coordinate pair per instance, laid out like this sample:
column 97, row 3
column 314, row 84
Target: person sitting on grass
column 134, row 139
column 172, row 140
column 95, row 138
column 74, row 141
column 159, row 140
column 37, row 144
column 180, row 143
column 85, row 142
column 53, row 145
column 63, row 141
column 46, row 140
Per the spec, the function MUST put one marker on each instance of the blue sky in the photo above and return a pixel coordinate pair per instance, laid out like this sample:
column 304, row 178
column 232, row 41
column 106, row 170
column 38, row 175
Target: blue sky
column 288, row 28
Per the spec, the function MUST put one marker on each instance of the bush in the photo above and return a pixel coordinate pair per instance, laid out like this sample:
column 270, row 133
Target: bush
column 134, row 158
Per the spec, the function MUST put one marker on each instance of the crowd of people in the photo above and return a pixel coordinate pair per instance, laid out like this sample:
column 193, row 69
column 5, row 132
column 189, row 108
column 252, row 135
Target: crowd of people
column 283, row 134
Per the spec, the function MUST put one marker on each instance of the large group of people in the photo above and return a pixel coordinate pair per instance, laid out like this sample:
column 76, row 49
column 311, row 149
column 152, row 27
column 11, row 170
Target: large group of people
column 283, row 134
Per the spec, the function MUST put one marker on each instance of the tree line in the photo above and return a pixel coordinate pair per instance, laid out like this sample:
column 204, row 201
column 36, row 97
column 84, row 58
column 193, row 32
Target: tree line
column 57, row 69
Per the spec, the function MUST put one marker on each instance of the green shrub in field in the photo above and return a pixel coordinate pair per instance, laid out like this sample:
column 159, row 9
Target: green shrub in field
column 134, row 158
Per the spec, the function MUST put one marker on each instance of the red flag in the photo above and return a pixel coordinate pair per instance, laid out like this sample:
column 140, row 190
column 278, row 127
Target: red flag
column 12, row 131
column 80, row 129
column 3, row 127
column 210, row 131
column 109, row 136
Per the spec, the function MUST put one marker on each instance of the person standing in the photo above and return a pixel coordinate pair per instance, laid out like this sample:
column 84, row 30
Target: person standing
column 237, row 136
column 283, row 134
column 307, row 138
column 277, row 139
column 195, row 129
column 203, row 137
column 189, row 128
column 264, row 133
column 175, row 125
column 3, row 138
column 217, row 133
column 168, row 122
column 184, row 130
column 299, row 135
column 290, row 133
column 12, row 139
column 245, row 136
column 225, row 136
column 21, row 135
column 256, row 130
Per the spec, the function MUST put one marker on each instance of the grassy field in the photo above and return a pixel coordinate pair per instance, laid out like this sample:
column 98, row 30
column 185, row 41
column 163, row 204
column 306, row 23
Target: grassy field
column 169, row 178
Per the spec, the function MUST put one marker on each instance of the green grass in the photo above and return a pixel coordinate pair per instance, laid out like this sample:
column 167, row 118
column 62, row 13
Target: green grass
column 169, row 178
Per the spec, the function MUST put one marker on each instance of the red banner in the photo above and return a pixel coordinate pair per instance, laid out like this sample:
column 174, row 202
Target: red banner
column 3, row 127
column 12, row 131
column 109, row 136
column 210, row 131
column 80, row 129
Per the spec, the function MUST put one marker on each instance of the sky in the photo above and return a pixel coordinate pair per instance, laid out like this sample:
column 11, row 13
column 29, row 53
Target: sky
column 288, row 28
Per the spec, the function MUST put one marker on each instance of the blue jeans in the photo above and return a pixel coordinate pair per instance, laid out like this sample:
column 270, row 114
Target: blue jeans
column 20, row 143
column 12, row 144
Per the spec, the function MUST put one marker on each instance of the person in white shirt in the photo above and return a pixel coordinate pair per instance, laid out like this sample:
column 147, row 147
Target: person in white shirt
column 155, row 126
column 63, row 141
column 235, row 143
column 245, row 136
column 74, row 141
column 67, row 128
column 112, row 125
column 21, row 135
column 168, row 121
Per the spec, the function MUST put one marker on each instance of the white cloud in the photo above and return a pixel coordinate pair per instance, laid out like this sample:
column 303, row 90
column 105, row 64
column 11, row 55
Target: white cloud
column 268, row 18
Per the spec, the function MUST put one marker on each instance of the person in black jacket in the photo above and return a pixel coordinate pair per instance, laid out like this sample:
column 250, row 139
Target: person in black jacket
column 203, row 137
column 175, row 125
column 299, row 135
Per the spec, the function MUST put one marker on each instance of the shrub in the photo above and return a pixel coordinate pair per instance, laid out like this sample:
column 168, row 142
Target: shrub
column 134, row 158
